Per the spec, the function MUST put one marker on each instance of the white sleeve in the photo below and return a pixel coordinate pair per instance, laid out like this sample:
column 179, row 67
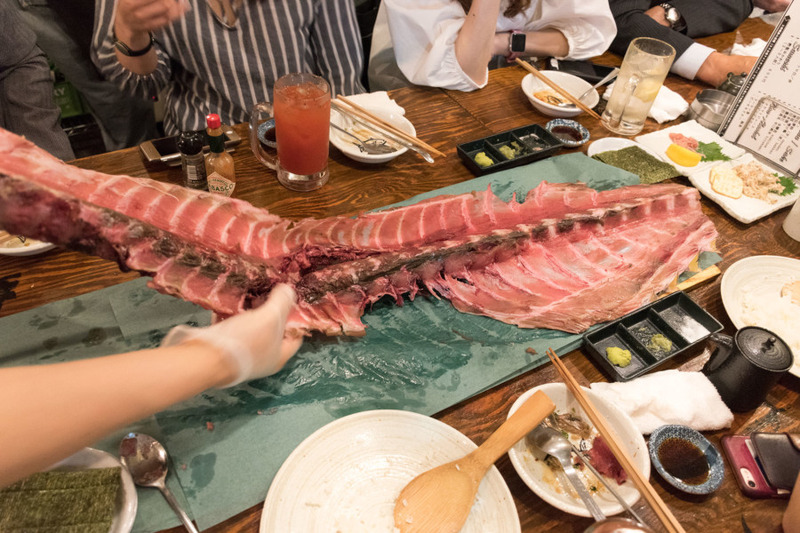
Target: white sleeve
column 688, row 63
column 588, row 26
column 424, row 35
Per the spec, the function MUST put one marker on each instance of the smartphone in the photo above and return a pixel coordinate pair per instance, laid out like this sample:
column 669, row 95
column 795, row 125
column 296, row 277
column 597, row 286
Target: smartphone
column 585, row 70
column 165, row 149
column 747, row 469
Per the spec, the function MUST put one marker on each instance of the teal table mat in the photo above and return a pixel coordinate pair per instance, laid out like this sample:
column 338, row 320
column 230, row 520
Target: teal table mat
column 227, row 445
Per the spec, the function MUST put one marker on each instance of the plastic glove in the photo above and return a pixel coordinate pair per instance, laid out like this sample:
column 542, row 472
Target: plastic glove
column 253, row 341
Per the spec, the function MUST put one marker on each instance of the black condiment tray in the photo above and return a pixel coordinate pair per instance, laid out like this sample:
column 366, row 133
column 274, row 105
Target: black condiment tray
column 536, row 141
column 676, row 317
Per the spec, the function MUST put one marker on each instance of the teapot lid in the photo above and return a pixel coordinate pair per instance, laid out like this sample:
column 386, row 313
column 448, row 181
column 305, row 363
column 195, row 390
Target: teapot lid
column 764, row 348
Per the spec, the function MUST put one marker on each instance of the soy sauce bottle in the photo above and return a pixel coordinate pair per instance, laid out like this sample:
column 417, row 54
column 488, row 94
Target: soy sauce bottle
column 190, row 146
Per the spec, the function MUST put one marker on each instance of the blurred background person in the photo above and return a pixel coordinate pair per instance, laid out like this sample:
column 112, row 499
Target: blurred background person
column 63, row 30
column 223, row 56
column 27, row 106
column 450, row 43
column 679, row 22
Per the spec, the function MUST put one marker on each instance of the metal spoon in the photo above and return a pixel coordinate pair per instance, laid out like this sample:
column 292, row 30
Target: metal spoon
column 611, row 75
column 553, row 443
column 146, row 460
column 371, row 146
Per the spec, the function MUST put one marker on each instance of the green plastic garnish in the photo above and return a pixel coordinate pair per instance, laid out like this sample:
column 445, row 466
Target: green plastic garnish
column 711, row 152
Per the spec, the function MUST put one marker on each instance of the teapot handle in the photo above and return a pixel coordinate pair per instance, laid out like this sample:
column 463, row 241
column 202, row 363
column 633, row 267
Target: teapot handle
column 258, row 114
column 724, row 348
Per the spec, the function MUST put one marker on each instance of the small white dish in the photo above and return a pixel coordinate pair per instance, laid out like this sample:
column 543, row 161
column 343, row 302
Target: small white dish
column 572, row 84
column 347, row 475
column 12, row 245
column 744, row 209
column 127, row 500
column 538, row 476
column 751, row 295
column 348, row 146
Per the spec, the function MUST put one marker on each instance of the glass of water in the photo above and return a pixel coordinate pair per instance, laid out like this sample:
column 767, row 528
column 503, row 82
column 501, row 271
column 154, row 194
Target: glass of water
column 643, row 70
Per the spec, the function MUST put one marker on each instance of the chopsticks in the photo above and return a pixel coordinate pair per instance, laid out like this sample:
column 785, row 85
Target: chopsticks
column 557, row 88
column 645, row 488
column 344, row 103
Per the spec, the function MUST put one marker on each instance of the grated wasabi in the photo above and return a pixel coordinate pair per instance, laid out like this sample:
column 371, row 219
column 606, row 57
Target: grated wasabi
column 618, row 356
column 659, row 343
column 483, row 160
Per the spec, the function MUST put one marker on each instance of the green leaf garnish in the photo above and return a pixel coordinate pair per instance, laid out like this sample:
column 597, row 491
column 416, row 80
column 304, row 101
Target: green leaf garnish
column 711, row 152
column 788, row 184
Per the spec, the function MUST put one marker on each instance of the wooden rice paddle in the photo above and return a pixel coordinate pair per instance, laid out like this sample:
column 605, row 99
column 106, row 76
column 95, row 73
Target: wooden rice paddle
column 440, row 499
column 660, row 508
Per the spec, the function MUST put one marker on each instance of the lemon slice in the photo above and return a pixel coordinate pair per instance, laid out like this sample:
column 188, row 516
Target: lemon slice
column 683, row 156
column 647, row 90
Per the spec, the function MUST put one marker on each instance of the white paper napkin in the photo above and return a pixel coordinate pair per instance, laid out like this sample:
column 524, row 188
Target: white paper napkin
column 667, row 106
column 755, row 48
column 669, row 397
column 377, row 100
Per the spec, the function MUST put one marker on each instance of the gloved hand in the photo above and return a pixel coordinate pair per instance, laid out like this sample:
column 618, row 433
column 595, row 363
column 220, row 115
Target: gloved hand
column 253, row 341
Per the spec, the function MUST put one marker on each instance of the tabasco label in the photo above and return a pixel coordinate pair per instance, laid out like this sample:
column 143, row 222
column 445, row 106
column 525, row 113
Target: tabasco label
column 220, row 184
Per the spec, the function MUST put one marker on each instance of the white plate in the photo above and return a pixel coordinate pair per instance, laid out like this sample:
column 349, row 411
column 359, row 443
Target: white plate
column 572, row 84
column 10, row 245
column 346, row 145
column 744, row 209
column 659, row 141
column 537, row 475
column 751, row 292
column 127, row 501
column 347, row 475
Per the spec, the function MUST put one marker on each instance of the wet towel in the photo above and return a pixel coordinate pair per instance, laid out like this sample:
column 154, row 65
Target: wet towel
column 669, row 397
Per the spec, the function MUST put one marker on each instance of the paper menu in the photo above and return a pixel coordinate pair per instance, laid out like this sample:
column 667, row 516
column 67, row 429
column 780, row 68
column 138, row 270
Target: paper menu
column 765, row 117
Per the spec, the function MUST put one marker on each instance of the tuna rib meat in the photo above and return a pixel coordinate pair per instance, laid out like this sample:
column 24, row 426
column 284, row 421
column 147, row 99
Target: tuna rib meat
column 565, row 258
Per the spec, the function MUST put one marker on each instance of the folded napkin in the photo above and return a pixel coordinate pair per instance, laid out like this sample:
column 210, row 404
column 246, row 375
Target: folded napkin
column 669, row 397
column 755, row 48
column 377, row 100
column 667, row 106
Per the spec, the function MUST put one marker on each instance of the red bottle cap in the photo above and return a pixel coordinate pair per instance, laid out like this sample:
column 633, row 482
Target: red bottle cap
column 213, row 121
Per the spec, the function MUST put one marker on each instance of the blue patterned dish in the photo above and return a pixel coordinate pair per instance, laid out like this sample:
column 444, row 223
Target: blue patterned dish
column 570, row 132
column 685, row 434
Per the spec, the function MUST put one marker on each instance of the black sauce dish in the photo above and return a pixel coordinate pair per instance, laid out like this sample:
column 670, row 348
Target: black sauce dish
column 686, row 459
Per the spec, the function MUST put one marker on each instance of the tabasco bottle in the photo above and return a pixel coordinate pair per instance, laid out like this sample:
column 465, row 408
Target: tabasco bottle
column 220, row 173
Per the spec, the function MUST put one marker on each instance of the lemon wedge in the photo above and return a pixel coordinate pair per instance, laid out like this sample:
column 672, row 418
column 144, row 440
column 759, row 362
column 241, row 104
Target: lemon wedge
column 683, row 156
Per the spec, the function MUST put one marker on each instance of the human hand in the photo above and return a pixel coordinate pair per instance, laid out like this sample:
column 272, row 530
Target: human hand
column 716, row 67
column 138, row 17
column 253, row 341
column 772, row 6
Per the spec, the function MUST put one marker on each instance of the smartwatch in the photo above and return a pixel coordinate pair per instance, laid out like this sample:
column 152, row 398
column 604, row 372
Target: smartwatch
column 516, row 44
column 674, row 17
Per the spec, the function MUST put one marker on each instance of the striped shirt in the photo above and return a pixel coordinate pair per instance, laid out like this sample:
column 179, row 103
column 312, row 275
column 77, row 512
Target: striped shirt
column 205, row 68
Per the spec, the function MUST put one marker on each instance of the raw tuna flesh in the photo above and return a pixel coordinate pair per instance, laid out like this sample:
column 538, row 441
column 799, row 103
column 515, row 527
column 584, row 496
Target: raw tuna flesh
column 566, row 258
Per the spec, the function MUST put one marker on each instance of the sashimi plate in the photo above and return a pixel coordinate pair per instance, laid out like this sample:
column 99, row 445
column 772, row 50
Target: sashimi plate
column 347, row 475
column 127, row 500
column 751, row 294
column 744, row 209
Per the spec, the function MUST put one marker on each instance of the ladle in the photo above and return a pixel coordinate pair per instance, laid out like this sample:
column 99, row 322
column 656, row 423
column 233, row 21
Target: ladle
column 440, row 499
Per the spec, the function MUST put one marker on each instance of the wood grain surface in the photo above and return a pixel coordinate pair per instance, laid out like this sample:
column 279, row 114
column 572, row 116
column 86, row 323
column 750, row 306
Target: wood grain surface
column 445, row 119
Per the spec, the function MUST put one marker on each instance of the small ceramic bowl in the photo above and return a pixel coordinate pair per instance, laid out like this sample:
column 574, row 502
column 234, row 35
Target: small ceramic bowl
column 572, row 84
column 681, row 439
column 351, row 150
column 569, row 132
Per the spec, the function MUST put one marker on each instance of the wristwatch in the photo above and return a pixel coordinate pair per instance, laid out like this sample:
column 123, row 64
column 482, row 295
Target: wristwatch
column 516, row 45
column 674, row 17
column 125, row 50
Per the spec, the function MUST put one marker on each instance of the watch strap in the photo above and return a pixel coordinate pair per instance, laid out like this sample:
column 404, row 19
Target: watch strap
column 125, row 50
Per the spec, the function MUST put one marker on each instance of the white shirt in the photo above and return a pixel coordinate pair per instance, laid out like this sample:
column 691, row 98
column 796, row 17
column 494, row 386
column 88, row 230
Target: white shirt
column 689, row 62
column 421, row 37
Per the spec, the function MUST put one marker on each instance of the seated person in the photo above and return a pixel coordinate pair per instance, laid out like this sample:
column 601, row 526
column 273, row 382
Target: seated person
column 679, row 22
column 449, row 43
column 223, row 56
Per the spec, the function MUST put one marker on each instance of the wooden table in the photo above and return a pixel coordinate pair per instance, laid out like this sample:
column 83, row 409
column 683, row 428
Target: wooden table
column 445, row 119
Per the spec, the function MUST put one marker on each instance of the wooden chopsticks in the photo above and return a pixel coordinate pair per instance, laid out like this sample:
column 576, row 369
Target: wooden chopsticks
column 644, row 486
column 557, row 88
column 364, row 114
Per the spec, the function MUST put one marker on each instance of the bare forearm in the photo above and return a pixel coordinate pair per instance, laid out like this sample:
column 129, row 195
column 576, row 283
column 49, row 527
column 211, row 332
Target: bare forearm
column 474, row 45
column 51, row 411
column 546, row 43
column 135, row 40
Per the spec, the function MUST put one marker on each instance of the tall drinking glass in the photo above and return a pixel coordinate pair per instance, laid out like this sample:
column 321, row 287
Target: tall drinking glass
column 301, row 107
column 643, row 70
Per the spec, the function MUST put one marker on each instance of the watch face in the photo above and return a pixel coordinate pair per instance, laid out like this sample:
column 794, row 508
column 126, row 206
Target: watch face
column 672, row 15
column 517, row 42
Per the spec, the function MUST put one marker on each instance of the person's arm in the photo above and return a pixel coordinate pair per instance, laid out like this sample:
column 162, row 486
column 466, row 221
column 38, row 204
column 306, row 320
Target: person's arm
column 52, row 411
column 475, row 43
column 134, row 23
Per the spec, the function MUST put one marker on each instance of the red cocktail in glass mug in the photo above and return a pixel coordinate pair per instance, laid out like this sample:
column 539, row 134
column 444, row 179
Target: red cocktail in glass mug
column 301, row 106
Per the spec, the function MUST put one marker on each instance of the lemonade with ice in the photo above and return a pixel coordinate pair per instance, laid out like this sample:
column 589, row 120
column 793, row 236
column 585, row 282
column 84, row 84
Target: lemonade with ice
column 643, row 70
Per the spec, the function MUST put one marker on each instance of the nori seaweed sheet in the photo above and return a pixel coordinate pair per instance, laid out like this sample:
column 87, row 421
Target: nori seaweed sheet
column 80, row 501
column 633, row 159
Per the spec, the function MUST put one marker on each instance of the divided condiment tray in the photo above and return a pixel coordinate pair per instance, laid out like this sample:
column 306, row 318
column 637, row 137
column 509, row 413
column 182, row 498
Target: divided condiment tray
column 676, row 317
column 521, row 146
